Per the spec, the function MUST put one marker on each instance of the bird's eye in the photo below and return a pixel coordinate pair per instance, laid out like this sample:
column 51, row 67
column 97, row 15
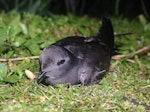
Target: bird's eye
column 60, row 62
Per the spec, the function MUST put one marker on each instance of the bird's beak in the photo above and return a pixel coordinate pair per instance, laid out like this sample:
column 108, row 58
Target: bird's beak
column 41, row 76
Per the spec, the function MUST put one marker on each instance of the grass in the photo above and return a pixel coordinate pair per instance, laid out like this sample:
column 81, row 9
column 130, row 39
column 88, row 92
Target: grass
column 125, row 88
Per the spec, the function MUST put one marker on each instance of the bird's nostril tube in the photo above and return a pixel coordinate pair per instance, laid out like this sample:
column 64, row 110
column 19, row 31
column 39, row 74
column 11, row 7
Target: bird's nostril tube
column 41, row 76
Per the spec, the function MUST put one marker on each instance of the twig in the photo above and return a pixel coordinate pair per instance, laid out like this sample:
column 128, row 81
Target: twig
column 123, row 34
column 18, row 58
column 141, row 51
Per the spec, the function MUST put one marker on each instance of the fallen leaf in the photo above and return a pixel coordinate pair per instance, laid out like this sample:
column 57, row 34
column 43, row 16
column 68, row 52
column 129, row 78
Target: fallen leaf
column 29, row 74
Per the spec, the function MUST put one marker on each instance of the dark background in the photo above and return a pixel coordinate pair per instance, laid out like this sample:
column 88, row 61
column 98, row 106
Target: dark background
column 95, row 8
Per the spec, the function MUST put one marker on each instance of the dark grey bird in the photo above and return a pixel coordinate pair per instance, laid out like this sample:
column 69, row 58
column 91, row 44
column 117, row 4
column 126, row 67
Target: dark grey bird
column 78, row 60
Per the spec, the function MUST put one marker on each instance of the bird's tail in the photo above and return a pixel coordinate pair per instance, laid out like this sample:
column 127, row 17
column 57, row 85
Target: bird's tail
column 106, row 33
